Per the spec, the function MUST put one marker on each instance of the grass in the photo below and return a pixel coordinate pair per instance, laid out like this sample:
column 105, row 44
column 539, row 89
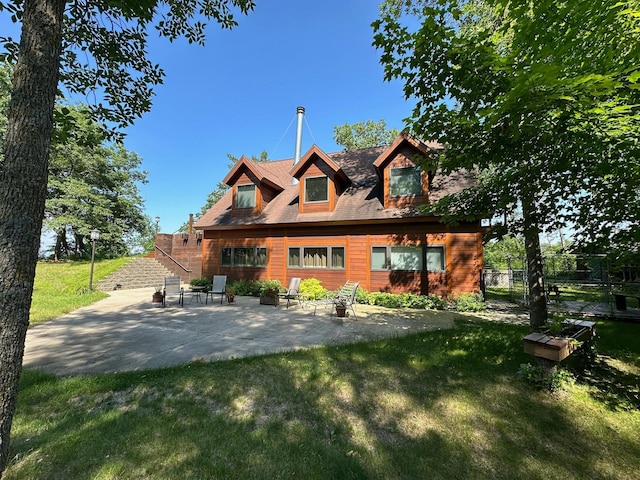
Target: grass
column 568, row 293
column 62, row 287
column 438, row 405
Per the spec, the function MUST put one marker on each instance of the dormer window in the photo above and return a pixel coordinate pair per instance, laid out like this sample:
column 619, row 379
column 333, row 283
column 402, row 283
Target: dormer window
column 246, row 196
column 316, row 189
column 405, row 181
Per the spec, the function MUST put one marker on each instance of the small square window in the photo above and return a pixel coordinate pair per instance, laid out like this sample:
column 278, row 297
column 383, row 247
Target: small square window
column 405, row 181
column 246, row 196
column 316, row 189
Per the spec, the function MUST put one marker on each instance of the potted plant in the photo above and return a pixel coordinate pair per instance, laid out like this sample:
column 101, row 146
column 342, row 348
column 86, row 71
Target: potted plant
column 157, row 297
column 341, row 307
column 231, row 294
column 269, row 291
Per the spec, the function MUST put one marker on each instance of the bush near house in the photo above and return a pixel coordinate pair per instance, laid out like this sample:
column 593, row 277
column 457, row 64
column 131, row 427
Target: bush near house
column 471, row 302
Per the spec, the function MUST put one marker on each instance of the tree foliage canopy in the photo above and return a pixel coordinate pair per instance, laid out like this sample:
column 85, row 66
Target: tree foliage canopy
column 105, row 58
column 541, row 96
column 93, row 184
column 364, row 134
column 98, row 50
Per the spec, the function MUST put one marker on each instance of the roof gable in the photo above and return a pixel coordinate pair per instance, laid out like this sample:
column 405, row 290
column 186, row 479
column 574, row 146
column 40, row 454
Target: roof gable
column 362, row 199
column 402, row 141
column 252, row 169
column 313, row 155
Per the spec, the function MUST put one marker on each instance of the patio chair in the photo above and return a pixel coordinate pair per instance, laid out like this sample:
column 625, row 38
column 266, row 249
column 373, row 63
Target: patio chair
column 219, row 287
column 346, row 296
column 293, row 292
column 172, row 288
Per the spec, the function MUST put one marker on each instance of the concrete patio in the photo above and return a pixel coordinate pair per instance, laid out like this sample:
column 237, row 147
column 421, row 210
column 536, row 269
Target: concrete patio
column 124, row 332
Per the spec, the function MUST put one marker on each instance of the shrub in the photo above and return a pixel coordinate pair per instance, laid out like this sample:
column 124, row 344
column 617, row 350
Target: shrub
column 538, row 377
column 362, row 296
column 313, row 287
column 469, row 302
column 385, row 299
column 423, row 302
column 200, row 282
column 270, row 287
column 407, row 300
column 247, row 288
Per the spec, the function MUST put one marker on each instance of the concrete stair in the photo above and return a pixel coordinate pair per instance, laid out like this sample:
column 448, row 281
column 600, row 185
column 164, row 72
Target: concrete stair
column 141, row 272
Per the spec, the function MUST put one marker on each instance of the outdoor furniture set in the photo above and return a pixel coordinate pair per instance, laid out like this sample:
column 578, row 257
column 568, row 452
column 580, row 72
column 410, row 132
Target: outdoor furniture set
column 340, row 302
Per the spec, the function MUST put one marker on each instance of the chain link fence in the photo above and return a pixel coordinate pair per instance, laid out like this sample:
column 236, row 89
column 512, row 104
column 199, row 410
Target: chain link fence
column 585, row 277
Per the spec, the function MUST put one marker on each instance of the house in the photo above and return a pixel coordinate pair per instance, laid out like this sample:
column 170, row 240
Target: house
column 349, row 215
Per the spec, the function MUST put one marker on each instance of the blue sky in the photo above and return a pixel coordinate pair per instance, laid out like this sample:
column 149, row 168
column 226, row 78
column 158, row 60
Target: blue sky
column 239, row 94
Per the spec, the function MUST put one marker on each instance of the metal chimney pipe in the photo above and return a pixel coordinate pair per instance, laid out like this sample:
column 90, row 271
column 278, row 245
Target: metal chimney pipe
column 300, row 114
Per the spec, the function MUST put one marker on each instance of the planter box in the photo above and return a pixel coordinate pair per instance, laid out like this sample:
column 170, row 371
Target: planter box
column 268, row 300
column 557, row 348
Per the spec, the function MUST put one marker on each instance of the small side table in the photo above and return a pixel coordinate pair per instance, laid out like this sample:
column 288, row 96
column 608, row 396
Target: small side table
column 195, row 293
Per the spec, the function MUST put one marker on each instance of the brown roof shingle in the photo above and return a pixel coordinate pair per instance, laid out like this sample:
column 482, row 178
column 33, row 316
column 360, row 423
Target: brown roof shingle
column 362, row 200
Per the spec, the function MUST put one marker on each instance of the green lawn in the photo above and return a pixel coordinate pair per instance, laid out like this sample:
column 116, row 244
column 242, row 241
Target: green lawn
column 61, row 287
column 568, row 293
column 438, row 405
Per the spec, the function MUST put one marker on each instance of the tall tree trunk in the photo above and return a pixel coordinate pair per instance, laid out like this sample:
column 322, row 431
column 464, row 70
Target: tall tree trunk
column 535, row 274
column 23, row 188
column 60, row 245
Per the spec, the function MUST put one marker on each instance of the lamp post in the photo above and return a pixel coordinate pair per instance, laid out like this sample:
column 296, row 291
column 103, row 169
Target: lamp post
column 95, row 235
column 157, row 223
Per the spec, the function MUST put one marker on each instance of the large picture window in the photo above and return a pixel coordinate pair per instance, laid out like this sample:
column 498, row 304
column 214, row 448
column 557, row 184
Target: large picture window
column 243, row 257
column 316, row 257
column 316, row 189
column 405, row 181
column 246, row 196
column 408, row 258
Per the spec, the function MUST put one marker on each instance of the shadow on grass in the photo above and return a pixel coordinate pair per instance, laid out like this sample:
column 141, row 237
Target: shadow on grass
column 431, row 405
column 614, row 377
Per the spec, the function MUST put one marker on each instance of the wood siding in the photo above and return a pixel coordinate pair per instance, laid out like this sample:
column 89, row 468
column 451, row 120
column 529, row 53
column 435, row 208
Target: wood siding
column 463, row 255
